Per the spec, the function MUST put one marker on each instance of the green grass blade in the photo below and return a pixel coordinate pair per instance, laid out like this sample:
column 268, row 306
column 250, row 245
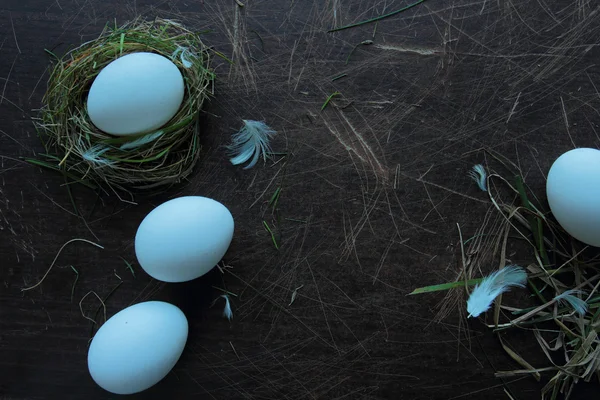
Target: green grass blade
column 364, row 43
column 223, row 56
column 272, row 234
column 52, row 54
column 445, row 286
column 275, row 198
column 379, row 18
column 144, row 160
column 129, row 266
column 75, row 179
column 121, row 42
column 534, row 222
column 328, row 99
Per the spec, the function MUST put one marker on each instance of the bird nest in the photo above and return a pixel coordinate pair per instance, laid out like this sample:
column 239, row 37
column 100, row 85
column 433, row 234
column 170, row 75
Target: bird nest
column 85, row 154
column 562, row 310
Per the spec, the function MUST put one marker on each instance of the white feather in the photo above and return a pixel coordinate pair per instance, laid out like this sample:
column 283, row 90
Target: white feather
column 492, row 286
column 252, row 141
column 479, row 175
column 579, row 305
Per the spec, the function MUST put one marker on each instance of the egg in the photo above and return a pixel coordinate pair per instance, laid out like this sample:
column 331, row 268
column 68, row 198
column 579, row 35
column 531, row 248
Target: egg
column 184, row 238
column 573, row 190
column 137, row 347
column 137, row 93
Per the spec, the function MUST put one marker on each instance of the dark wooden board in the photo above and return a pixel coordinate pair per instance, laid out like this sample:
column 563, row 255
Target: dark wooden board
column 372, row 190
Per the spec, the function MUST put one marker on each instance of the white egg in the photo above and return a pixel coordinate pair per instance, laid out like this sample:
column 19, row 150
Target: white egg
column 183, row 238
column 573, row 190
column 137, row 347
column 136, row 93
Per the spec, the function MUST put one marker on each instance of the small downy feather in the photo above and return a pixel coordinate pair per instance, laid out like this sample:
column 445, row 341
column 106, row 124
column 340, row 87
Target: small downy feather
column 227, row 313
column 250, row 143
column 492, row 286
column 141, row 141
column 478, row 174
column 93, row 156
column 185, row 55
column 569, row 297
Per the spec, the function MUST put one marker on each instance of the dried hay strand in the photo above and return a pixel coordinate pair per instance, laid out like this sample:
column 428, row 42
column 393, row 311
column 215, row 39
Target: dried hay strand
column 83, row 153
column 563, row 278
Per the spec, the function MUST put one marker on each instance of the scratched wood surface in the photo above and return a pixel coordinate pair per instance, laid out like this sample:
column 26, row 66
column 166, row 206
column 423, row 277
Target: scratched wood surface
column 372, row 189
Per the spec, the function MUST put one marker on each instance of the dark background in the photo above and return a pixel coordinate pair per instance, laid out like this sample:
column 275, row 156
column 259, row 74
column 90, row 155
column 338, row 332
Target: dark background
column 373, row 188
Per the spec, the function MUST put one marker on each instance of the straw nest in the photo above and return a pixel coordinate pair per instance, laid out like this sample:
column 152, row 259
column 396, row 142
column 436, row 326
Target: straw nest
column 83, row 153
column 562, row 311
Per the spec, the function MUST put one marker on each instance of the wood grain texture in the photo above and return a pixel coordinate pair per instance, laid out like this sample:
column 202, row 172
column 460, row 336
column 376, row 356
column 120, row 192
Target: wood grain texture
column 372, row 189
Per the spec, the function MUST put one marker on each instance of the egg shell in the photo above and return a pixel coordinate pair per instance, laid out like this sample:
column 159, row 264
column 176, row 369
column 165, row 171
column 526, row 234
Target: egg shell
column 137, row 347
column 573, row 190
column 184, row 238
column 135, row 94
